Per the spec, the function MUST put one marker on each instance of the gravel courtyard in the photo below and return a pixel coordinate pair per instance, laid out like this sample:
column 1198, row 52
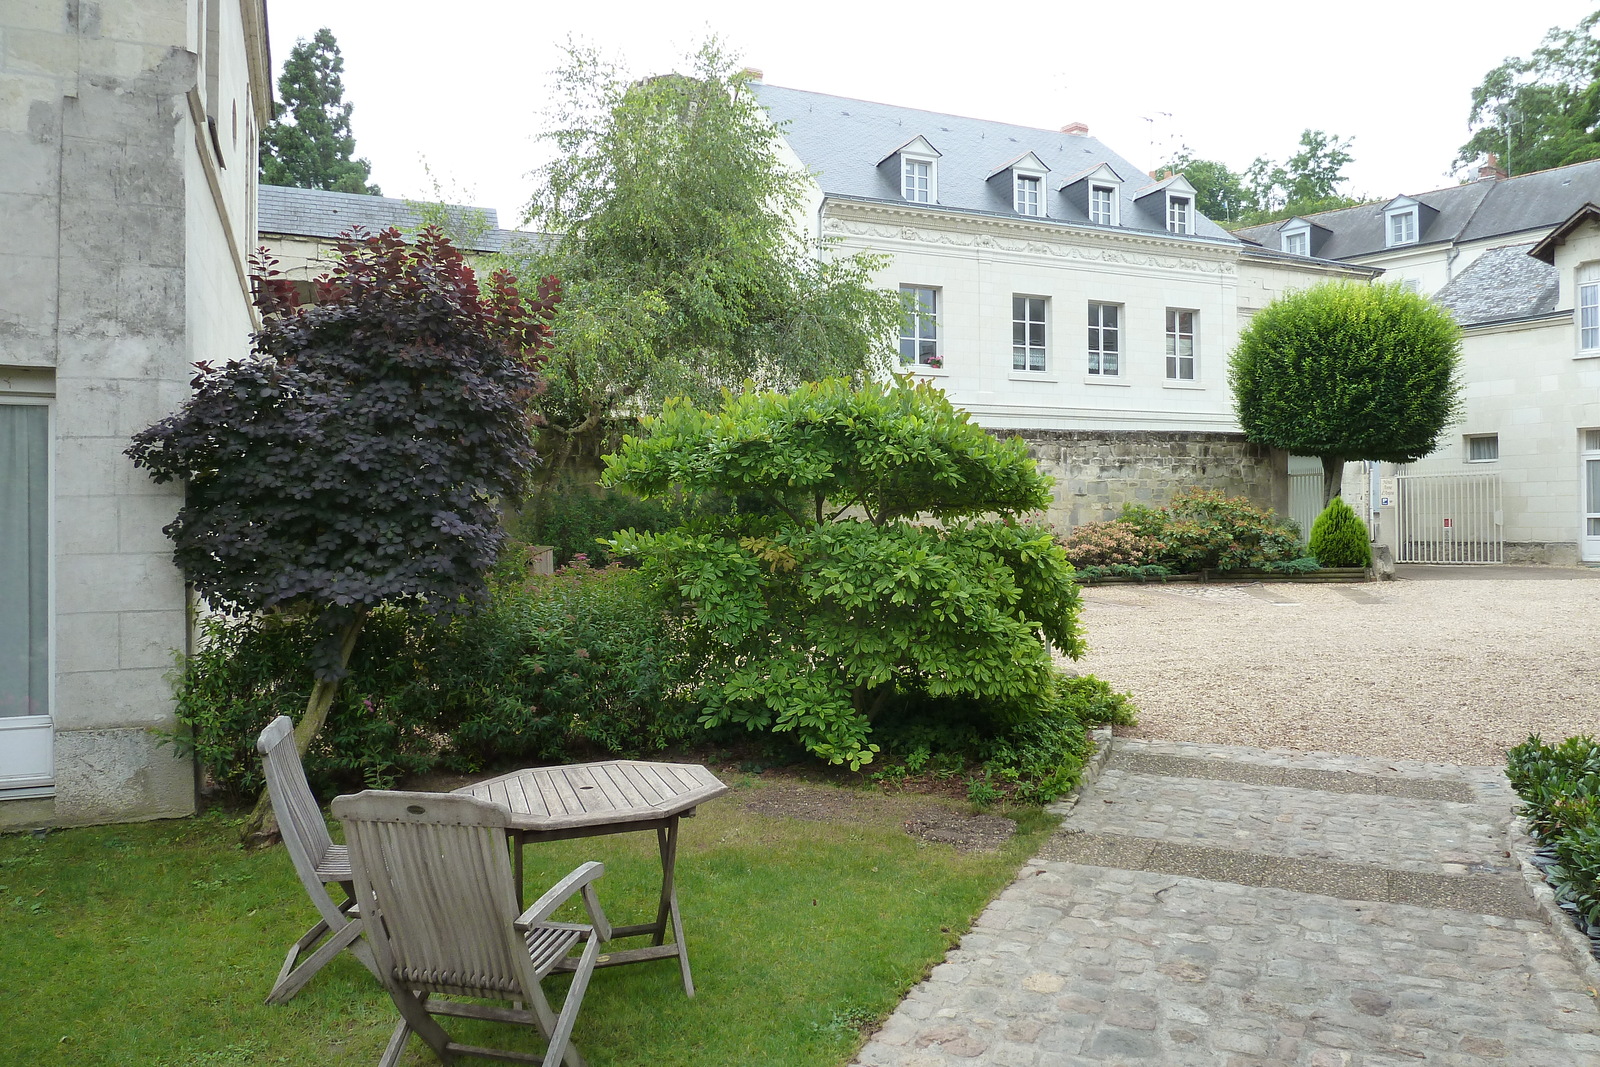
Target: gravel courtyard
column 1452, row 669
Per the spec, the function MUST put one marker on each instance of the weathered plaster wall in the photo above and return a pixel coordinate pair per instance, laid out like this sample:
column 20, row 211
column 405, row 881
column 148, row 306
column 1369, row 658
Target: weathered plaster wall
column 122, row 269
column 1097, row 471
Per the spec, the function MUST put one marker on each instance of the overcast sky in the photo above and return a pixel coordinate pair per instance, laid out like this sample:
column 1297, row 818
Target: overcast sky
column 460, row 88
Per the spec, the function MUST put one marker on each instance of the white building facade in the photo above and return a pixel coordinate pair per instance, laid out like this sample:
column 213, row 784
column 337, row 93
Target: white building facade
column 127, row 184
column 1515, row 261
column 1051, row 287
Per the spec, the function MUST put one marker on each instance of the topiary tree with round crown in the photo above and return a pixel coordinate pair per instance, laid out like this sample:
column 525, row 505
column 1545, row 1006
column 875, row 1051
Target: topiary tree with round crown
column 1346, row 371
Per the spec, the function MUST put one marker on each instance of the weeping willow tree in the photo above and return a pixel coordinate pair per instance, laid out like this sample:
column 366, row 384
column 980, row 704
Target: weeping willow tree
column 675, row 230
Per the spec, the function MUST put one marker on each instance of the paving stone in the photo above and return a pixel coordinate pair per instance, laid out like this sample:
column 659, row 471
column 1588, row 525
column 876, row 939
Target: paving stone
column 1262, row 909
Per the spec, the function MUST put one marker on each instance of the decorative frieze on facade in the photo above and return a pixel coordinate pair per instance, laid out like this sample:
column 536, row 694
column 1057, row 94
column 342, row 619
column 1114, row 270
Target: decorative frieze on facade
column 1098, row 253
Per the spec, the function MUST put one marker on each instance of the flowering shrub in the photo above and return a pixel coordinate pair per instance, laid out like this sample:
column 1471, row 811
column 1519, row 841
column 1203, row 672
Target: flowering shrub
column 1113, row 543
column 1200, row 529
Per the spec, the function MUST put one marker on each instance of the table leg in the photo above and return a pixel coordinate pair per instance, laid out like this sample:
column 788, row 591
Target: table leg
column 667, row 839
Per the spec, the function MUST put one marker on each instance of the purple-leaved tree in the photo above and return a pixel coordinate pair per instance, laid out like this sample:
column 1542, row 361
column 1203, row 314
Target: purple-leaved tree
column 361, row 454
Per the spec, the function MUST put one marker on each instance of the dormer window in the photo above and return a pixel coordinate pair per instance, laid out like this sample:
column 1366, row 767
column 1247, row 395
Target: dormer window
column 1297, row 244
column 1169, row 201
column 1027, row 197
column 1404, row 221
column 918, row 164
column 1103, row 205
column 1179, row 214
column 1019, row 183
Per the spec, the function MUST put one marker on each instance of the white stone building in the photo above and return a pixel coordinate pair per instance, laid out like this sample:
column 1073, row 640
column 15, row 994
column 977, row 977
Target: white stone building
column 1516, row 261
column 128, row 137
column 1053, row 288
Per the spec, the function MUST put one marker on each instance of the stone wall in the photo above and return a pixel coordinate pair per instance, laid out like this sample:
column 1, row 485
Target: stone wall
column 1097, row 471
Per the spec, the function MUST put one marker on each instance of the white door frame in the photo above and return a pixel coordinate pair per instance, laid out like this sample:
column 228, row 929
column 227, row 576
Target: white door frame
column 1589, row 496
column 27, row 742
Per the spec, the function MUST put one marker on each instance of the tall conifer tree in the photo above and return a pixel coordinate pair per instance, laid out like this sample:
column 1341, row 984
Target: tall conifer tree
column 309, row 145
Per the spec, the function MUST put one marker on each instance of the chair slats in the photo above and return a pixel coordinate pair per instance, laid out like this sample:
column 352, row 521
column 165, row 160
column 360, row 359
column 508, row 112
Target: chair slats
column 317, row 861
column 437, row 897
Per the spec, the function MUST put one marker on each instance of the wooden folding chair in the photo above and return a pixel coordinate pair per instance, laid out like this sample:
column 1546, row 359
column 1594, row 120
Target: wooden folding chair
column 317, row 860
column 433, row 879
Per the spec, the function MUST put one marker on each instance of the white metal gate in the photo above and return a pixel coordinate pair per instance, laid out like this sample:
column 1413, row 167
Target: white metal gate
column 1305, row 501
column 1449, row 518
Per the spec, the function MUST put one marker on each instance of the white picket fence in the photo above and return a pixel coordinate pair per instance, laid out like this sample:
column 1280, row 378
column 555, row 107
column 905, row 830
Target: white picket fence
column 1449, row 518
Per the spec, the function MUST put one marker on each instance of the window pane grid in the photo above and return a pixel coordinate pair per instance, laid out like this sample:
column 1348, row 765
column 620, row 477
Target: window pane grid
column 1180, row 345
column 1027, row 195
column 918, row 178
column 1100, row 205
column 1027, row 333
column 1104, row 343
column 1589, row 316
column 919, row 326
column 1178, row 214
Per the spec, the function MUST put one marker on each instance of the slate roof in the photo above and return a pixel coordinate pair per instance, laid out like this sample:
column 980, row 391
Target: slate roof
column 320, row 213
column 1502, row 284
column 1476, row 211
column 842, row 140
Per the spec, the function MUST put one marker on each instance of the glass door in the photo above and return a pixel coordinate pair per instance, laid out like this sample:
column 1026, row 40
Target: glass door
column 25, row 735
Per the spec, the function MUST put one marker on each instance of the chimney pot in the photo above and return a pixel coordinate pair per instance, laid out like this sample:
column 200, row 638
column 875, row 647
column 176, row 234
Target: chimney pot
column 1490, row 169
column 1076, row 129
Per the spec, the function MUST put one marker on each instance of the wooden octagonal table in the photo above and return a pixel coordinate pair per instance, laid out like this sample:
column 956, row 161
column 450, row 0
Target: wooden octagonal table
column 613, row 797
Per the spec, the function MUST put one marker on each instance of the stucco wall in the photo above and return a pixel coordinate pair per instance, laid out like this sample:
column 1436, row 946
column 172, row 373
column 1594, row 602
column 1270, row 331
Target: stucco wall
column 127, row 269
column 1096, row 472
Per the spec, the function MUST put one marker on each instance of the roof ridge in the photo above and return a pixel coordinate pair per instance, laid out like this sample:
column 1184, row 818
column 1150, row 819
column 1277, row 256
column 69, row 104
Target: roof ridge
column 925, row 111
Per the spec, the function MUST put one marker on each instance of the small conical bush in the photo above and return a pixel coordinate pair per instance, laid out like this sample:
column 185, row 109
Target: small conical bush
column 1339, row 537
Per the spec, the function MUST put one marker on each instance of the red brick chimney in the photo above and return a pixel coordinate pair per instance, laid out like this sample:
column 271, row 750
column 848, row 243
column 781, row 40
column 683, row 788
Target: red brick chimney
column 1076, row 129
column 1489, row 170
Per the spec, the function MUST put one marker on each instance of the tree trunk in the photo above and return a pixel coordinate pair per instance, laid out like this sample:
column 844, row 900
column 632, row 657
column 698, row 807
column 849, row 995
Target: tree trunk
column 1332, row 478
column 261, row 828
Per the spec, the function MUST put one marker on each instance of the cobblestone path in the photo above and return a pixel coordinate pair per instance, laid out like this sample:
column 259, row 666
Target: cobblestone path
column 1206, row 906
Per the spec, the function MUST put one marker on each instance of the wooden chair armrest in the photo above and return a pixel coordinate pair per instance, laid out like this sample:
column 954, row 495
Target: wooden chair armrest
column 578, row 881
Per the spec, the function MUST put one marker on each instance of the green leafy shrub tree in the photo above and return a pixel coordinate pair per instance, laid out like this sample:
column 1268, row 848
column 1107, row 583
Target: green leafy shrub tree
column 876, row 554
column 1339, row 538
column 583, row 660
column 1346, row 371
column 1559, row 785
column 359, row 457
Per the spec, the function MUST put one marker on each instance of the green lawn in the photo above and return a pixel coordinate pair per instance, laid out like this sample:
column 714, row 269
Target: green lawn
column 154, row 943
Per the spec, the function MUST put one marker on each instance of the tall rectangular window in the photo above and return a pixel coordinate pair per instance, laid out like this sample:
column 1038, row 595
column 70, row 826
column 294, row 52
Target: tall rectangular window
column 1027, row 195
column 1588, row 307
column 1178, row 214
column 917, row 180
column 1102, row 205
column 1027, row 333
column 1180, row 345
column 24, row 560
column 1105, row 339
column 919, row 326
column 1402, row 228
